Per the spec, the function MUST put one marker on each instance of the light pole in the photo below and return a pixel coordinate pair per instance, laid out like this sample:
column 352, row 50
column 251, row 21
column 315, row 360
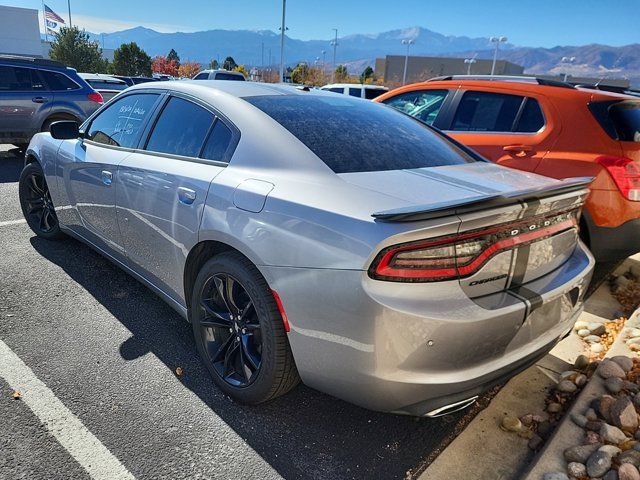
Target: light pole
column 408, row 43
column 469, row 62
column 497, row 41
column 334, row 43
column 69, row 7
column 324, row 54
column 284, row 9
column 567, row 60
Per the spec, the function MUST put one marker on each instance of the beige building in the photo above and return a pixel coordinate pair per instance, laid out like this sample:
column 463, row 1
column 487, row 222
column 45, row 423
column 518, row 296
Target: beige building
column 391, row 68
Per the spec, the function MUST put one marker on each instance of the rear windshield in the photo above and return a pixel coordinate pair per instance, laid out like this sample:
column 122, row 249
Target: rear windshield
column 103, row 85
column 353, row 135
column 229, row 76
column 621, row 120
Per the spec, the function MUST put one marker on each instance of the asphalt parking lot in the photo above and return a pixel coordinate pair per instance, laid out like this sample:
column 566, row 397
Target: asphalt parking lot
column 107, row 350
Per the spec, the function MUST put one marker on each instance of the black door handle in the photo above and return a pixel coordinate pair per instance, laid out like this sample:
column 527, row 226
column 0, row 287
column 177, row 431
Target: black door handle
column 38, row 99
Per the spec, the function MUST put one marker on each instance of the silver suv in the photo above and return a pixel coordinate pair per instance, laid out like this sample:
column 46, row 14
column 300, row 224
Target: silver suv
column 36, row 92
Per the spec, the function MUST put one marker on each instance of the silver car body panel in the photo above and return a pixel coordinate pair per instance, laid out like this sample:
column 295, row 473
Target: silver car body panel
column 390, row 346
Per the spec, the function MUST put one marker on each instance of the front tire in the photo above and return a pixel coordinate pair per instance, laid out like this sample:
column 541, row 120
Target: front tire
column 36, row 203
column 239, row 331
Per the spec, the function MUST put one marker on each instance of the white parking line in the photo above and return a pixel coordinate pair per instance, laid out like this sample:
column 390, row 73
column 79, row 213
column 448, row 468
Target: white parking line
column 81, row 444
column 12, row 222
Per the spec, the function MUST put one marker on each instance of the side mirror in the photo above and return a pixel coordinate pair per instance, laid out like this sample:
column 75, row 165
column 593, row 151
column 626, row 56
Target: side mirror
column 65, row 130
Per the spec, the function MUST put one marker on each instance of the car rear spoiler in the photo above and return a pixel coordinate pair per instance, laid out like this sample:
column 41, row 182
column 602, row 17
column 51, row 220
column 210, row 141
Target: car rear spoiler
column 480, row 202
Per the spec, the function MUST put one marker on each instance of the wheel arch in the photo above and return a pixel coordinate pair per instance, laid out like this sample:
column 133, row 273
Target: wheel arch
column 59, row 116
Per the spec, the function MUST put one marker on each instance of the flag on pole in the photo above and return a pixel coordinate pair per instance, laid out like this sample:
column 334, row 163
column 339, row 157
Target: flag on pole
column 53, row 16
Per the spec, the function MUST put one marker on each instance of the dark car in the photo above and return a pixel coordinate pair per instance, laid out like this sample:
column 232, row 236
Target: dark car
column 36, row 92
column 130, row 81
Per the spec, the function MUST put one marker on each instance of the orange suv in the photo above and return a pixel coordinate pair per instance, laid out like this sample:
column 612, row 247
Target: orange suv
column 550, row 128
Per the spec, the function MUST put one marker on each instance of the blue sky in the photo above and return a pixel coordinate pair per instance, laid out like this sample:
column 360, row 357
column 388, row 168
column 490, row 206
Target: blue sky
column 543, row 23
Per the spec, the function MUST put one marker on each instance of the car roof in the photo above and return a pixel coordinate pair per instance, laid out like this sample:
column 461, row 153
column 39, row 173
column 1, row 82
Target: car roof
column 353, row 85
column 236, row 89
column 35, row 61
column 100, row 76
column 208, row 70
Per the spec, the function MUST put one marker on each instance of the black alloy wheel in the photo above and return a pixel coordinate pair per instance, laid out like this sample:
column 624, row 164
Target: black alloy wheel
column 36, row 204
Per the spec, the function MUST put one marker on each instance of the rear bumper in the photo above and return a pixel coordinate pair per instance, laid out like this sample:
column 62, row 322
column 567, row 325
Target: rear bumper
column 613, row 244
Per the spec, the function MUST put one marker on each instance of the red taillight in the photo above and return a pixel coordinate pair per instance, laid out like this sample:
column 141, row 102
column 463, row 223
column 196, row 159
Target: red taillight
column 460, row 256
column 625, row 173
column 95, row 97
column 285, row 321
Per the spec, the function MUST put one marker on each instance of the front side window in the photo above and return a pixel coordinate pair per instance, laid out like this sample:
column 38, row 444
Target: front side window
column 181, row 129
column 486, row 112
column 15, row 79
column 421, row 104
column 58, row 82
column 122, row 122
column 349, row 135
column 202, row 76
column 354, row 92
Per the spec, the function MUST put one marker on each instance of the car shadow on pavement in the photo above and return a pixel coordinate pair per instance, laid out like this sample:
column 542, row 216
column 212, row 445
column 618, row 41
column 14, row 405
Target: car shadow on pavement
column 303, row 434
column 11, row 163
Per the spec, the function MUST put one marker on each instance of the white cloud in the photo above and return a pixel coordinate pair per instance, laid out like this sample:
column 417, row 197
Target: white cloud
column 109, row 25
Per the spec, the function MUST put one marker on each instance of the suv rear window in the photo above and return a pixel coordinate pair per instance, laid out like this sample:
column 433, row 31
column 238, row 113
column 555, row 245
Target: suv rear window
column 349, row 135
column 621, row 120
column 106, row 85
column 229, row 76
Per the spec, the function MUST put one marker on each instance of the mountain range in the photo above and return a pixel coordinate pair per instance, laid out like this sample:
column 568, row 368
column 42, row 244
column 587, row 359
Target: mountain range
column 262, row 47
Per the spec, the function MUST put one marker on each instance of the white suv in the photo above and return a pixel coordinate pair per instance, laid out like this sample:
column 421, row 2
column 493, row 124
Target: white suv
column 219, row 75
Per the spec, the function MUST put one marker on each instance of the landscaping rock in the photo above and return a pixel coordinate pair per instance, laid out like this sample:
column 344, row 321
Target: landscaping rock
column 536, row 442
column 630, row 456
column 511, row 424
column 625, row 362
column 579, row 420
column 592, row 437
column 591, row 338
column 612, row 450
column 636, row 401
column 580, row 453
column 580, row 380
column 554, row 407
column 568, row 375
column 611, row 475
column 604, row 405
column 597, row 328
column 628, row 472
column 597, row 348
column 637, row 435
column 623, row 415
column 580, row 324
column 591, row 415
column 630, row 386
column 581, row 362
column 611, row 434
column 584, row 332
column 594, row 426
column 566, row 386
column 598, row 464
column 577, row 470
column 609, row 369
column 613, row 384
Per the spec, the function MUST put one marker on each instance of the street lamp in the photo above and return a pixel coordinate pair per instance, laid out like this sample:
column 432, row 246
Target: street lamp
column 324, row 53
column 282, row 30
column 469, row 62
column 569, row 61
column 497, row 41
column 334, row 43
column 408, row 43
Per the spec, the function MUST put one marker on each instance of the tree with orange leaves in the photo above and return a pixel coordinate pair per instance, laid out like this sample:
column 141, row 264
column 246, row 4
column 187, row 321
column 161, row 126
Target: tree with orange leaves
column 162, row 65
column 189, row 69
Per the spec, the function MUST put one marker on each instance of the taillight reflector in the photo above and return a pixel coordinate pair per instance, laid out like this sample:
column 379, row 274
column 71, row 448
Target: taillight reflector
column 462, row 255
column 285, row 321
column 625, row 173
column 95, row 97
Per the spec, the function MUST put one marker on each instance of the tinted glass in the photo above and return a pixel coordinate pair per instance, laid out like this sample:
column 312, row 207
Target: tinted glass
column 371, row 93
column 531, row 119
column 58, row 81
column 15, row 79
column 354, row 136
column 355, row 92
column 181, row 129
column 228, row 76
column 122, row 122
column 421, row 104
column 217, row 143
column 102, row 85
column 336, row 89
column 202, row 76
column 486, row 112
column 626, row 118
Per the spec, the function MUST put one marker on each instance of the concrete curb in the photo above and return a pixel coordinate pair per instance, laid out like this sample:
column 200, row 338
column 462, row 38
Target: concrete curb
column 567, row 434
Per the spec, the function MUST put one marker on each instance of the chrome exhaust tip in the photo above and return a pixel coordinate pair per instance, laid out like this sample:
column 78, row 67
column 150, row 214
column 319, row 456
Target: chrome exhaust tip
column 452, row 407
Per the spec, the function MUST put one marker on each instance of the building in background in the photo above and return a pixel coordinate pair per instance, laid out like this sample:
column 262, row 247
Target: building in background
column 20, row 32
column 391, row 68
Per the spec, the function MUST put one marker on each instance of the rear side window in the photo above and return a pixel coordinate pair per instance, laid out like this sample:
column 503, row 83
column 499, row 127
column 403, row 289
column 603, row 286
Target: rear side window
column 217, row 143
column 621, row 120
column 181, row 129
column 371, row 93
column 122, row 122
column 531, row 118
column 355, row 92
column 15, row 79
column 421, row 104
column 58, row 82
column 349, row 135
column 486, row 112
column 202, row 76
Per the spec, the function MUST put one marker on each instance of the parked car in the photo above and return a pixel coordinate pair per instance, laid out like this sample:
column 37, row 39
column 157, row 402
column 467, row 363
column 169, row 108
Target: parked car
column 219, row 75
column 106, row 85
column 356, row 90
column 315, row 236
column 36, row 92
column 135, row 80
column 550, row 128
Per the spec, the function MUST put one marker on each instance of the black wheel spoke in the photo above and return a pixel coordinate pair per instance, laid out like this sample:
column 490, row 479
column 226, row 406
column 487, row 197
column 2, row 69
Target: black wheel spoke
column 243, row 363
column 222, row 351
column 223, row 285
column 253, row 363
column 229, row 357
column 246, row 311
column 214, row 317
column 34, row 187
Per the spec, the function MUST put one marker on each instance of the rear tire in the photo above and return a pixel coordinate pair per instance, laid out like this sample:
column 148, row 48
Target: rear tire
column 36, row 203
column 244, row 346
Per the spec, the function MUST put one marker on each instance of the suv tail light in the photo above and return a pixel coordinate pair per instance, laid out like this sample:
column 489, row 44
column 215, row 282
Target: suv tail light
column 625, row 173
column 460, row 256
column 95, row 97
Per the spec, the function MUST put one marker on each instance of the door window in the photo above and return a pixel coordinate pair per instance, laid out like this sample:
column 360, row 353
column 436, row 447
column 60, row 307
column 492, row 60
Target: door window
column 217, row 143
column 15, row 79
column 202, row 76
column 355, row 92
column 181, row 129
column 531, row 119
column 421, row 104
column 122, row 122
column 58, row 82
column 487, row 112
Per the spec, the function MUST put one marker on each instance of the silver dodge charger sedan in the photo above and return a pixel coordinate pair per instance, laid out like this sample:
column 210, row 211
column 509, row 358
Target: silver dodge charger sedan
column 316, row 237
